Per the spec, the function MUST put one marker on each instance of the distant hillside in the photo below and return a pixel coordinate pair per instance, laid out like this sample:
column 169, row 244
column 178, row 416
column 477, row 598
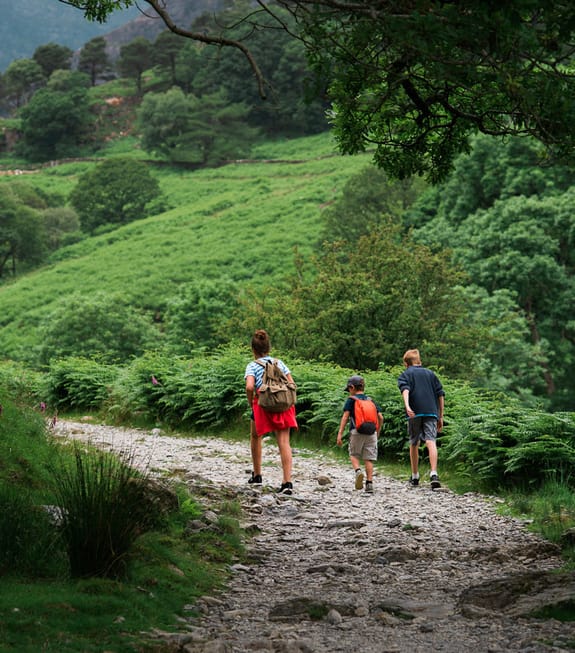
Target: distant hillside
column 182, row 12
column 26, row 24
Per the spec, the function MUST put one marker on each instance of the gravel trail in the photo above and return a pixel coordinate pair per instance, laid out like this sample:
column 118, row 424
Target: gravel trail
column 333, row 569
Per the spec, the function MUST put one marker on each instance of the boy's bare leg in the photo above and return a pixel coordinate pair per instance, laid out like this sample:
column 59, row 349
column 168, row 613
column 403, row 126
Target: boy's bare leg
column 414, row 458
column 432, row 451
column 369, row 470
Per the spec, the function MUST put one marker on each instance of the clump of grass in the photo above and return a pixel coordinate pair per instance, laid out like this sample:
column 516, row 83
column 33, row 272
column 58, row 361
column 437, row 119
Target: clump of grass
column 106, row 506
column 551, row 509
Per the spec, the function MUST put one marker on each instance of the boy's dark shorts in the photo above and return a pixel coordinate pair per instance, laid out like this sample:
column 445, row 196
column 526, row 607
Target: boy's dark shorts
column 422, row 429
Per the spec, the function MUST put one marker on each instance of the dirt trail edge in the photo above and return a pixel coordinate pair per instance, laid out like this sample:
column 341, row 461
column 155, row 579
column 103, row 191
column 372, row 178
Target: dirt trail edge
column 336, row 569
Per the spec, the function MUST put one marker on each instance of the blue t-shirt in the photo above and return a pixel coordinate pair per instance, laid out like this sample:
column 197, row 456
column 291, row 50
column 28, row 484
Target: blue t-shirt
column 257, row 371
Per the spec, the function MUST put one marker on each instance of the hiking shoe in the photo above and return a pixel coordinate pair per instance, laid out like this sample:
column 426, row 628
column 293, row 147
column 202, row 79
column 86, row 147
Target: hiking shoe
column 358, row 479
column 414, row 481
column 434, row 479
column 255, row 479
column 369, row 487
column 286, row 488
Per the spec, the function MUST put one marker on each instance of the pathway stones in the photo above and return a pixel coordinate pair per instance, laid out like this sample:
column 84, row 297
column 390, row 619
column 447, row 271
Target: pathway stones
column 333, row 569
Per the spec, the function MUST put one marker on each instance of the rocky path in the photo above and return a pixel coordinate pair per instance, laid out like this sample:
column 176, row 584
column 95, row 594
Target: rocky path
column 335, row 569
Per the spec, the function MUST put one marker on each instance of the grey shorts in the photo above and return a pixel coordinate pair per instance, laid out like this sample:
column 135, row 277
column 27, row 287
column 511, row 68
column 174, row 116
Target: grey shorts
column 422, row 429
column 363, row 446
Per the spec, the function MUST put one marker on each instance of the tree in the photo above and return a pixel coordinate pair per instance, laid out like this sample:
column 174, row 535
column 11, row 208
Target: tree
column 299, row 101
column 61, row 226
column 51, row 57
column 55, row 123
column 165, row 52
column 205, row 130
column 21, row 79
column 21, row 233
column 525, row 245
column 363, row 304
column 116, row 191
column 510, row 225
column 507, row 360
column 368, row 199
column 193, row 318
column 417, row 80
column 135, row 58
column 94, row 59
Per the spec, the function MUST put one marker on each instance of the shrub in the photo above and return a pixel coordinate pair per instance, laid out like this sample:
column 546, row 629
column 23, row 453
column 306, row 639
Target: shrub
column 78, row 383
column 21, row 383
column 505, row 445
column 100, row 326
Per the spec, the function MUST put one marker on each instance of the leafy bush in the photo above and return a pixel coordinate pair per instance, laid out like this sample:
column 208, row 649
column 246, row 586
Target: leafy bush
column 19, row 382
column 490, row 438
column 504, row 445
column 204, row 391
column 78, row 383
column 100, row 326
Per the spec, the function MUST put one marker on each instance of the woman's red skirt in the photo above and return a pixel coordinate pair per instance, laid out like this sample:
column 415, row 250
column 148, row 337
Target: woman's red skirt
column 266, row 422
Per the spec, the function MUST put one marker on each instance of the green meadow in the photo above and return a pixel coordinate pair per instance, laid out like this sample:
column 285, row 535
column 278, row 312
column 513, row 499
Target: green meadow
column 237, row 222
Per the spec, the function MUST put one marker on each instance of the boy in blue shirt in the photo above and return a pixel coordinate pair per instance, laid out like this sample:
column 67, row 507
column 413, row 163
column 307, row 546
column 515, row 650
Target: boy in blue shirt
column 423, row 397
column 362, row 446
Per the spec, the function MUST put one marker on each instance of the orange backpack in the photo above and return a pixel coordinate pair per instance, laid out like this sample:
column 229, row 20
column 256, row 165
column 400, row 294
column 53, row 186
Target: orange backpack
column 365, row 416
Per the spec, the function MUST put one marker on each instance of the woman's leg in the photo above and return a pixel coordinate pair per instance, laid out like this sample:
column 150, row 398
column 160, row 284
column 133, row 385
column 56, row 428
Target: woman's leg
column 285, row 453
column 256, row 449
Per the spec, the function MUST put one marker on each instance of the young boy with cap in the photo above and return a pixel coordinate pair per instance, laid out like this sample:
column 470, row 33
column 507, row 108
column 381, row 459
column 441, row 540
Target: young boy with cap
column 362, row 446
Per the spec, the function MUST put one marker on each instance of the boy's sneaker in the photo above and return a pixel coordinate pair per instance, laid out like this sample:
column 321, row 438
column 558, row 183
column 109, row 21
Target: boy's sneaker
column 369, row 487
column 286, row 488
column 358, row 479
column 414, row 481
column 434, row 479
column 255, row 479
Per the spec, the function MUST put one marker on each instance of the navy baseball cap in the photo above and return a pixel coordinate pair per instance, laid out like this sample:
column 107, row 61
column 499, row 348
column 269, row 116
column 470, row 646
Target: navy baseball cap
column 354, row 381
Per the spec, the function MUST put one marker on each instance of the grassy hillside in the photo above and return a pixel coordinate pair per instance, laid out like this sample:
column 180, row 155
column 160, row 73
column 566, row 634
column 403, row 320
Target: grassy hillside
column 239, row 221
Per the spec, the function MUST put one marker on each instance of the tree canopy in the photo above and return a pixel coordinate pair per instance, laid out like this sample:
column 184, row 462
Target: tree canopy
column 511, row 226
column 415, row 81
column 116, row 191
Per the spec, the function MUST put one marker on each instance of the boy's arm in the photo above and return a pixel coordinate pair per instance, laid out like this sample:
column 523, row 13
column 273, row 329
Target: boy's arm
column 342, row 424
column 441, row 401
column 379, row 421
column 405, row 395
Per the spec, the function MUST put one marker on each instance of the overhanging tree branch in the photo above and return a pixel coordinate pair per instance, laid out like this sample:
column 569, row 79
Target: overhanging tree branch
column 399, row 71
